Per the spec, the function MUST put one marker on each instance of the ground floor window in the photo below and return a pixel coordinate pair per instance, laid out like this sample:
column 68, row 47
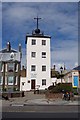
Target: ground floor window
column 43, row 81
column 10, row 80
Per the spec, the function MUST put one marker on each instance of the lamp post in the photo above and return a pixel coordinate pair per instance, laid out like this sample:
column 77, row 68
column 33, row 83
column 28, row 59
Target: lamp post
column 61, row 69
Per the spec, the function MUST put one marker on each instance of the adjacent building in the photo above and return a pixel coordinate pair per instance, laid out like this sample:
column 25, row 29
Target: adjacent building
column 23, row 80
column 73, row 77
column 38, row 60
column 10, row 65
column 76, row 77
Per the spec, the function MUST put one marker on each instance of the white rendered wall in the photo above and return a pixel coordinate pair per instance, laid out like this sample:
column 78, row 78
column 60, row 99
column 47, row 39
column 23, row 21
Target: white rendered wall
column 38, row 61
column 24, row 87
column 56, row 81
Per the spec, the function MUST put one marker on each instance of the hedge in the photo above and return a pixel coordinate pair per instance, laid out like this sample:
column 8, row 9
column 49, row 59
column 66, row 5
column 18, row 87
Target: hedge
column 59, row 87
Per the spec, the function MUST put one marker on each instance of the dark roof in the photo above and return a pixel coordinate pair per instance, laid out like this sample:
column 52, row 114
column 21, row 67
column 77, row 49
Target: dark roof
column 5, row 51
column 77, row 68
column 13, row 61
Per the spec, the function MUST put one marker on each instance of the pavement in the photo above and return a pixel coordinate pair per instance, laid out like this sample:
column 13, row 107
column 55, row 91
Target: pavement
column 37, row 99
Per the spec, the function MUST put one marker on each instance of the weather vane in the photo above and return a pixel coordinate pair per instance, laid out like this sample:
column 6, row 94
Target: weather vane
column 37, row 18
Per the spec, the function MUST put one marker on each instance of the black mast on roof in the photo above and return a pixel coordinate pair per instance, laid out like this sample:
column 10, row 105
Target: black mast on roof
column 37, row 18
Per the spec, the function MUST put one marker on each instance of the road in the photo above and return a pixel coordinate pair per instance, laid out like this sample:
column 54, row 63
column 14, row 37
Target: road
column 36, row 106
column 40, row 111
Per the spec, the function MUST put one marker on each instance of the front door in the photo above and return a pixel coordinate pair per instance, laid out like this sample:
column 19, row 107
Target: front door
column 32, row 84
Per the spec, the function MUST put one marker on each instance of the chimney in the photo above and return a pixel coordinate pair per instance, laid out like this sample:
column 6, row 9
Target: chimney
column 19, row 47
column 23, row 67
column 64, row 67
column 54, row 67
column 8, row 46
column 20, row 51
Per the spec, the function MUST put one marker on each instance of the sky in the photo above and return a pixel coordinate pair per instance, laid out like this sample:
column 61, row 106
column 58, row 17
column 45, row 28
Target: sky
column 59, row 20
column 0, row 25
column 40, row 0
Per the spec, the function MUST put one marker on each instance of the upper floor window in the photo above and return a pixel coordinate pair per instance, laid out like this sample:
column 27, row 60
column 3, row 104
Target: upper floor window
column 43, row 42
column 33, row 42
column 43, row 68
column 33, row 68
column 10, row 67
column 43, row 54
column 33, row 54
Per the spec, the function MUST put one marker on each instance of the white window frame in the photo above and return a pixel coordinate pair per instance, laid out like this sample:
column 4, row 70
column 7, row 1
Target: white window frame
column 33, row 42
column 44, row 42
column 5, row 80
column 33, row 69
column 1, row 80
column 6, row 67
column 2, row 67
column 43, row 82
column 16, row 80
column 43, row 54
column 16, row 68
column 33, row 54
column 43, row 66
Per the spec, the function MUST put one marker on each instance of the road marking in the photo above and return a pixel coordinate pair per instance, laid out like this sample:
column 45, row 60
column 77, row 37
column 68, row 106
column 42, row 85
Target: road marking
column 17, row 105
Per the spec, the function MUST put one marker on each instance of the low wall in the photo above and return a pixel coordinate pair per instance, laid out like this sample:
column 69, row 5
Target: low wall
column 12, row 94
column 53, row 95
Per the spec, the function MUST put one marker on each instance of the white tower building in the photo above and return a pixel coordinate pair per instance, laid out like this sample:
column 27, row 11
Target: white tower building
column 38, row 59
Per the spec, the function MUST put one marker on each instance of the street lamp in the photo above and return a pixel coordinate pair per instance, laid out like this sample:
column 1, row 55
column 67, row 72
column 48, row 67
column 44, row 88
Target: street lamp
column 61, row 69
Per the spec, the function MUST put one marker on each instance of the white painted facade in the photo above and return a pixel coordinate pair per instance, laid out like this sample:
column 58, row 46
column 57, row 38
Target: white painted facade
column 23, row 84
column 56, row 81
column 38, row 75
column 68, row 77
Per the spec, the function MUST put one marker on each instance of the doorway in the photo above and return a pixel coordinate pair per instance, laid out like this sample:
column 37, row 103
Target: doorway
column 33, row 84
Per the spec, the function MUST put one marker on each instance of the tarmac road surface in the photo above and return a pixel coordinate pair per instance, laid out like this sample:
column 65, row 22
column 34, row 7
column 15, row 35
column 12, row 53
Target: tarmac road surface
column 40, row 111
column 41, row 108
column 36, row 106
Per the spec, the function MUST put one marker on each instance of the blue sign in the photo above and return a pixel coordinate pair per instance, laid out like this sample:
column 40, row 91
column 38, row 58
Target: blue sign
column 75, row 81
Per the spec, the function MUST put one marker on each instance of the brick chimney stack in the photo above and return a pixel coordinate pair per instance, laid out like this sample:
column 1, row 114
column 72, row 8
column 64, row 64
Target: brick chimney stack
column 23, row 67
column 8, row 46
column 19, row 47
column 20, row 50
column 54, row 67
